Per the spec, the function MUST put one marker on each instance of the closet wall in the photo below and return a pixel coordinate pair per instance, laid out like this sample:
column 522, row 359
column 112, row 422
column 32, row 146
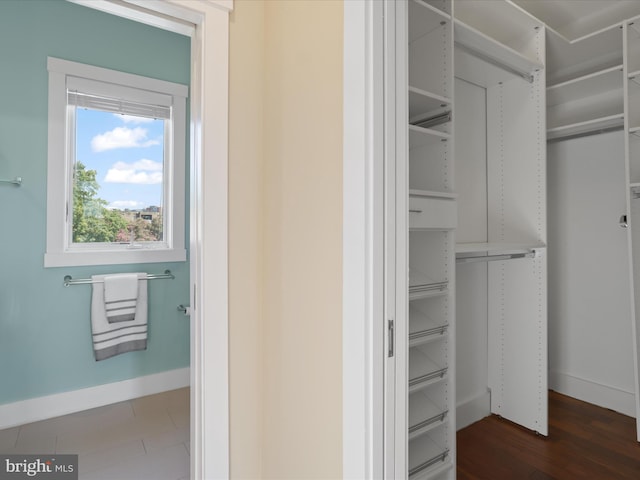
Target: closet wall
column 590, row 352
column 592, row 121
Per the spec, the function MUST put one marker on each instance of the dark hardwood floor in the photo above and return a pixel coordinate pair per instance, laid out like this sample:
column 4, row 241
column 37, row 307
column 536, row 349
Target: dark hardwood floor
column 584, row 442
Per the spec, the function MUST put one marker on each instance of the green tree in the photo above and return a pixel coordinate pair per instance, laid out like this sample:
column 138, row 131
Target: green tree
column 92, row 220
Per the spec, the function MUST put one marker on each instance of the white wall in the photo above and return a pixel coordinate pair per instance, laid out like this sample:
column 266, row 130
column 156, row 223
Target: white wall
column 302, row 245
column 590, row 346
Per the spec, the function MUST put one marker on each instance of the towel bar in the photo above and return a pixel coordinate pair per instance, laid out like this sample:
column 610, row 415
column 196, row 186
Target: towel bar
column 14, row 181
column 68, row 280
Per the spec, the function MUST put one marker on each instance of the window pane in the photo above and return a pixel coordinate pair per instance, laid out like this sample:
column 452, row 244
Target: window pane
column 118, row 178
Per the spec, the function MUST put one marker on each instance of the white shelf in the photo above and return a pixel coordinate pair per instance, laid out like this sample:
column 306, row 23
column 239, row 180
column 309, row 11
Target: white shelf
column 419, row 137
column 594, row 125
column 504, row 21
column 424, row 414
column 414, row 192
column 418, row 281
column 495, row 251
column 486, row 48
column 422, row 329
column 422, row 102
column 423, row 19
column 427, row 294
column 423, row 371
column 585, row 86
column 424, row 455
column 593, row 53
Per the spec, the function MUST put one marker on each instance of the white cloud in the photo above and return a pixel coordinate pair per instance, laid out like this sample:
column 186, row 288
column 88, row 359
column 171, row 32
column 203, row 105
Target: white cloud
column 144, row 171
column 124, row 204
column 132, row 118
column 122, row 137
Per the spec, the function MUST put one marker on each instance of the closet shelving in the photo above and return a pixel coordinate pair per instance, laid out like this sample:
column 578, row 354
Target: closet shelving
column 585, row 93
column 496, row 44
column 501, row 278
column 429, row 395
column 494, row 54
column 591, row 102
column 567, row 60
column 633, row 97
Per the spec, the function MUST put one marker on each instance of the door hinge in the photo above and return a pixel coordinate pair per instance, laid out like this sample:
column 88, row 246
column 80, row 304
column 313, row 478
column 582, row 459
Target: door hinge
column 391, row 337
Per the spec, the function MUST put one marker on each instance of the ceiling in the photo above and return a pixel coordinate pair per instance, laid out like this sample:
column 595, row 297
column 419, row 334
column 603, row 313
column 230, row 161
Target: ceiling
column 574, row 19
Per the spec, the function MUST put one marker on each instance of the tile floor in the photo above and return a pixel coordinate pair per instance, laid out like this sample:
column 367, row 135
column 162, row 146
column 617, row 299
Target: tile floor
column 142, row 439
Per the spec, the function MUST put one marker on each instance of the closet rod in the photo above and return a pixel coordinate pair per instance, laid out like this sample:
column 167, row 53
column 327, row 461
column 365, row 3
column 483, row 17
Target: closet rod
column 597, row 131
column 68, row 279
column 491, row 258
column 13, row 181
column 495, row 62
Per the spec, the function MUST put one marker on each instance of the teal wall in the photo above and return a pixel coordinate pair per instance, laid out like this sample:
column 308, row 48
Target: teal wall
column 45, row 336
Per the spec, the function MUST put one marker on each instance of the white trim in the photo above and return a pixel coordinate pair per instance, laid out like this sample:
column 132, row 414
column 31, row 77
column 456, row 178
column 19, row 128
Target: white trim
column 473, row 409
column 208, row 249
column 362, row 345
column 49, row 406
column 123, row 80
column 136, row 12
column 588, row 391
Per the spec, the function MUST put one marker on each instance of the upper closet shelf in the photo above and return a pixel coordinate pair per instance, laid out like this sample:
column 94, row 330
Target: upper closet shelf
column 594, row 52
column 485, row 252
column 423, row 19
column 589, row 127
column 479, row 45
column 585, row 86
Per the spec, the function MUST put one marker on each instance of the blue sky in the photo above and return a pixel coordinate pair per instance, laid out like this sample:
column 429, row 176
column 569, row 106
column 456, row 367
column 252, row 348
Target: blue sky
column 127, row 153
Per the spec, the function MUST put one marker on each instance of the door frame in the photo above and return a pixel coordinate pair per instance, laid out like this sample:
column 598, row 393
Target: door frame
column 363, row 337
column 207, row 23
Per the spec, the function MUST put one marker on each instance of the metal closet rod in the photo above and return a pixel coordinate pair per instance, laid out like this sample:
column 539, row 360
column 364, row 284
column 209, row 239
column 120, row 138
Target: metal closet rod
column 589, row 133
column 13, row 181
column 492, row 258
column 68, row 280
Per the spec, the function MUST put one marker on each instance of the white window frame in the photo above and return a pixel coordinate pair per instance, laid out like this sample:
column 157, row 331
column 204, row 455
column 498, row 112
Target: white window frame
column 61, row 251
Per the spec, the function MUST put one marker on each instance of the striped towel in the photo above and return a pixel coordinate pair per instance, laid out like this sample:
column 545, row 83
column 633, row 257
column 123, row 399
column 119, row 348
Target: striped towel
column 110, row 339
column 120, row 297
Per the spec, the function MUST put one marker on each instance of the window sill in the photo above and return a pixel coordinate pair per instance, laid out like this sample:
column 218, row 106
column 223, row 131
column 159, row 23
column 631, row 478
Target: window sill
column 84, row 258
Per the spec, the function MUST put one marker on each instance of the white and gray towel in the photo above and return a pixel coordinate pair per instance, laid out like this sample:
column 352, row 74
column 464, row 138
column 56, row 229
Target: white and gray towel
column 118, row 336
column 120, row 297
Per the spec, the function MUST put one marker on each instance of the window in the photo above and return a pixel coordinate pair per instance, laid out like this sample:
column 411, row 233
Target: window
column 116, row 167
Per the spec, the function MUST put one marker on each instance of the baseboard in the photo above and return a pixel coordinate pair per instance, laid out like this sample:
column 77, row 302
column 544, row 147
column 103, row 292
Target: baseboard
column 472, row 410
column 591, row 392
column 49, row 406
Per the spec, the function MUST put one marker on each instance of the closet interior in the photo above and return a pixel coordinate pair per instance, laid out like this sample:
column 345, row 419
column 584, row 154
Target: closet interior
column 476, row 90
